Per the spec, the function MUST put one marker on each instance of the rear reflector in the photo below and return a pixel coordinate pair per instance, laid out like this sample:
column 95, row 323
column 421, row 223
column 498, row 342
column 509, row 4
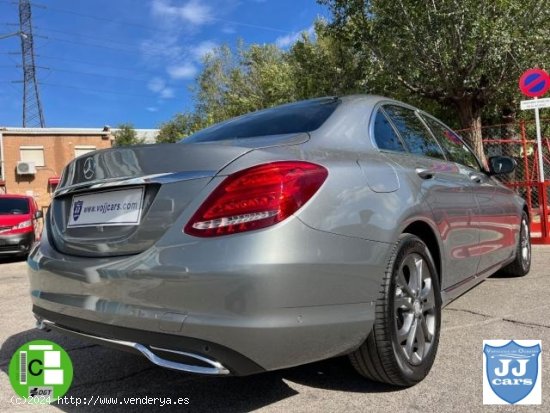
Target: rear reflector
column 256, row 198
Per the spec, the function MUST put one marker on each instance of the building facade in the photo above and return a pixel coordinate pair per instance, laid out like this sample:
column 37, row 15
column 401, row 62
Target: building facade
column 46, row 151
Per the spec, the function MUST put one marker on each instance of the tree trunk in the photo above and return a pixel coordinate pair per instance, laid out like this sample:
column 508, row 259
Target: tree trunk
column 508, row 121
column 470, row 118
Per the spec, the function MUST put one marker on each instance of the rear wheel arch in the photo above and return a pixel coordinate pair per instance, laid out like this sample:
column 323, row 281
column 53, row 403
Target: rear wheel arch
column 426, row 233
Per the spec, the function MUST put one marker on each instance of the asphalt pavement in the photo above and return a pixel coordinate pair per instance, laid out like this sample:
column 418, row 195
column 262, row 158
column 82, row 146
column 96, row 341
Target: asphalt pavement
column 498, row 308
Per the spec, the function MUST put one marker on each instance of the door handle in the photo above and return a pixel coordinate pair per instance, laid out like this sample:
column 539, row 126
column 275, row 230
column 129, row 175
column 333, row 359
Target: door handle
column 476, row 178
column 425, row 173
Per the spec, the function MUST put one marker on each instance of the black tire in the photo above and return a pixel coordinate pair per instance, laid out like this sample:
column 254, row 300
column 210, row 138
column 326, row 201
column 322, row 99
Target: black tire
column 522, row 263
column 382, row 357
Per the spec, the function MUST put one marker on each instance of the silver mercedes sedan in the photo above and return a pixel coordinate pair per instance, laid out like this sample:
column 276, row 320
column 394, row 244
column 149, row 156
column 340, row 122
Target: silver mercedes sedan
column 332, row 226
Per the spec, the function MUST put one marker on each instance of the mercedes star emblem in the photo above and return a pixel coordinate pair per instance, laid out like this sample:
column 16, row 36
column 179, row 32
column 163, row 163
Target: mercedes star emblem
column 89, row 169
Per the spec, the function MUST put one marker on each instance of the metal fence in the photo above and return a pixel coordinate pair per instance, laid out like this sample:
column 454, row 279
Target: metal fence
column 518, row 140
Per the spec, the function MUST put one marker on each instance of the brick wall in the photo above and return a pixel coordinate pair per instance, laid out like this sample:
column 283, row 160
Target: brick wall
column 58, row 151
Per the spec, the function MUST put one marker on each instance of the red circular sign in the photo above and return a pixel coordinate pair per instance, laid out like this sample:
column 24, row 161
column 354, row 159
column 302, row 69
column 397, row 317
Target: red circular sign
column 534, row 82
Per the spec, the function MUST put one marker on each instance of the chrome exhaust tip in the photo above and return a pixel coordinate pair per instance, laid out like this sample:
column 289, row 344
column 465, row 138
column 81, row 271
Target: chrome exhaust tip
column 208, row 367
column 42, row 326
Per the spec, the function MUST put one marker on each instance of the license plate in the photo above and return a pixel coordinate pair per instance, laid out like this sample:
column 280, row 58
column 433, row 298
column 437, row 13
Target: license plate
column 116, row 207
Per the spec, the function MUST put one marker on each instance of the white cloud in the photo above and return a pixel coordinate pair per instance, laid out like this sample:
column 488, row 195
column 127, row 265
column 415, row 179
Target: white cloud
column 290, row 39
column 183, row 71
column 162, row 47
column 152, row 109
column 167, row 93
column 172, row 49
column 158, row 86
column 193, row 11
column 202, row 49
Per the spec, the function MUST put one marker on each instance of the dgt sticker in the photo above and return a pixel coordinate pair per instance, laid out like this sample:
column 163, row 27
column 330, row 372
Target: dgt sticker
column 42, row 370
column 512, row 372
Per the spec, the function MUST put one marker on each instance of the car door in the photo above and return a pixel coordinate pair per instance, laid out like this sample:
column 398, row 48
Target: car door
column 497, row 219
column 446, row 190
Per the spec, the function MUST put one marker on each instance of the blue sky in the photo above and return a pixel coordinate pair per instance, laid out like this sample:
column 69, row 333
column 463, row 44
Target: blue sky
column 113, row 61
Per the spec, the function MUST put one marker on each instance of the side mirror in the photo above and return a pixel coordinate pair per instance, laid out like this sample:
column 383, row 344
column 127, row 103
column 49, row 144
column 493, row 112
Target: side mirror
column 501, row 165
column 38, row 214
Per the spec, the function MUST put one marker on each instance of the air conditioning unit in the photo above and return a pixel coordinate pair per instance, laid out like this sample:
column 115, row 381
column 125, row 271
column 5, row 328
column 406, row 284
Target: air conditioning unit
column 26, row 168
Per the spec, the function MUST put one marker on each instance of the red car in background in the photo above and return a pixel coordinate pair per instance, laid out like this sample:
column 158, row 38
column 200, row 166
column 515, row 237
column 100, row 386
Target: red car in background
column 20, row 224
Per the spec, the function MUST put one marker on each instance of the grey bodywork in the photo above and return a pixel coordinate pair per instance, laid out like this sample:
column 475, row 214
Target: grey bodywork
column 297, row 292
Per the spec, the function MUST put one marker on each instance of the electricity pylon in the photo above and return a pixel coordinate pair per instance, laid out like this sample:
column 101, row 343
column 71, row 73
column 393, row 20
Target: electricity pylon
column 32, row 107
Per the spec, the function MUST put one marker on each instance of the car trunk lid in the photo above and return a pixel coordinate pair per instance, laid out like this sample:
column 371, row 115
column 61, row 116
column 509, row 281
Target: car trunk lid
column 120, row 201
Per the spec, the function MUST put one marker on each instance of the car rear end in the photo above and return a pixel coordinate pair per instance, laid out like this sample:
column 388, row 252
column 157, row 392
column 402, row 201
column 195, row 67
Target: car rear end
column 17, row 225
column 164, row 252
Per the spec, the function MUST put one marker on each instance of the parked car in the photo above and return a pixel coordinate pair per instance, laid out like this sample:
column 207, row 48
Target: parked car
column 20, row 224
column 338, row 225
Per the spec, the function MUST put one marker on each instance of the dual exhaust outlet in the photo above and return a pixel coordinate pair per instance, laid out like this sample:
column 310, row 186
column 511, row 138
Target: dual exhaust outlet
column 208, row 367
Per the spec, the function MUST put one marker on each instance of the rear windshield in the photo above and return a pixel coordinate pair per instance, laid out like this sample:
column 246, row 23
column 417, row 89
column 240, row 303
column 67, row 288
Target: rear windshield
column 14, row 206
column 293, row 118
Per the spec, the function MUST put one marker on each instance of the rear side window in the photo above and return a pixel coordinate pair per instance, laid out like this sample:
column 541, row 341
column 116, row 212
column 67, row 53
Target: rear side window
column 14, row 206
column 451, row 143
column 384, row 134
column 415, row 135
column 293, row 118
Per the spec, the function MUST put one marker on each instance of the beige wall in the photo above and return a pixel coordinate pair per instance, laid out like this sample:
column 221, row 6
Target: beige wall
column 58, row 151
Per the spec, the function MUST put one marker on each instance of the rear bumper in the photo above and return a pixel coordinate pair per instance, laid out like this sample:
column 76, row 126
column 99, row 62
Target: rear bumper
column 285, row 296
column 16, row 244
column 162, row 349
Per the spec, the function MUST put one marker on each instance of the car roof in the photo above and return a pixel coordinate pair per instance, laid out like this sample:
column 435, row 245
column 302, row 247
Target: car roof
column 5, row 196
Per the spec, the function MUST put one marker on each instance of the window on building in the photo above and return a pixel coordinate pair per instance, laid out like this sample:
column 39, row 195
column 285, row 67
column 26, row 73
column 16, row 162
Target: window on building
column 32, row 154
column 80, row 150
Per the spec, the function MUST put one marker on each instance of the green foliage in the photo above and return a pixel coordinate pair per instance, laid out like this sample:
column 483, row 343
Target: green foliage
column 180, row 126
column 126, row 135
column 457, row 59
column 251, row 78
column 327, row 65
column 466, row 55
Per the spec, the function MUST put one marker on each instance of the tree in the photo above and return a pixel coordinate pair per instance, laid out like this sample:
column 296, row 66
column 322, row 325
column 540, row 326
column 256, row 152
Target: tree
column 180, row 126
column 326, row 65
column 236, row 82
column 126, row 135
column 459, row 53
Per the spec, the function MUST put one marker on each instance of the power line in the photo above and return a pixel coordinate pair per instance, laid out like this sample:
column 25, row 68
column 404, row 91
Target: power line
column 156, row 29
column 86, row 62
column 152, row 28
column 98, row 91
column 79, row 72
column 101, row 46
column 101, row 39
column 111, row 92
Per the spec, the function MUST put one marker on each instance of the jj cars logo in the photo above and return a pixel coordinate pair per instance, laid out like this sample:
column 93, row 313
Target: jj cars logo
column 512, row 372
column 77, row 209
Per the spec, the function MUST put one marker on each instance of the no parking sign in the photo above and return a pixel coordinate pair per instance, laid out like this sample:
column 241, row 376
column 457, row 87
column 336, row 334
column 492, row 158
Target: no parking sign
column 534, row 82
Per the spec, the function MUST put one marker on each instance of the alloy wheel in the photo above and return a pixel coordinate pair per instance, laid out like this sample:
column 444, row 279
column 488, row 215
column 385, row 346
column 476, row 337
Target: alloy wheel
column 414, row 308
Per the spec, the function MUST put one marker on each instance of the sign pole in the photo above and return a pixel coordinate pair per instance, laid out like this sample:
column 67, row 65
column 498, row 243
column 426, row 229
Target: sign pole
column 542, row 187
column 539, row 144
column 534, row 83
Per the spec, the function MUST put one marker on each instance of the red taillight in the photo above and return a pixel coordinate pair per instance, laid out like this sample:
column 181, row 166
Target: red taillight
column 256, row 198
